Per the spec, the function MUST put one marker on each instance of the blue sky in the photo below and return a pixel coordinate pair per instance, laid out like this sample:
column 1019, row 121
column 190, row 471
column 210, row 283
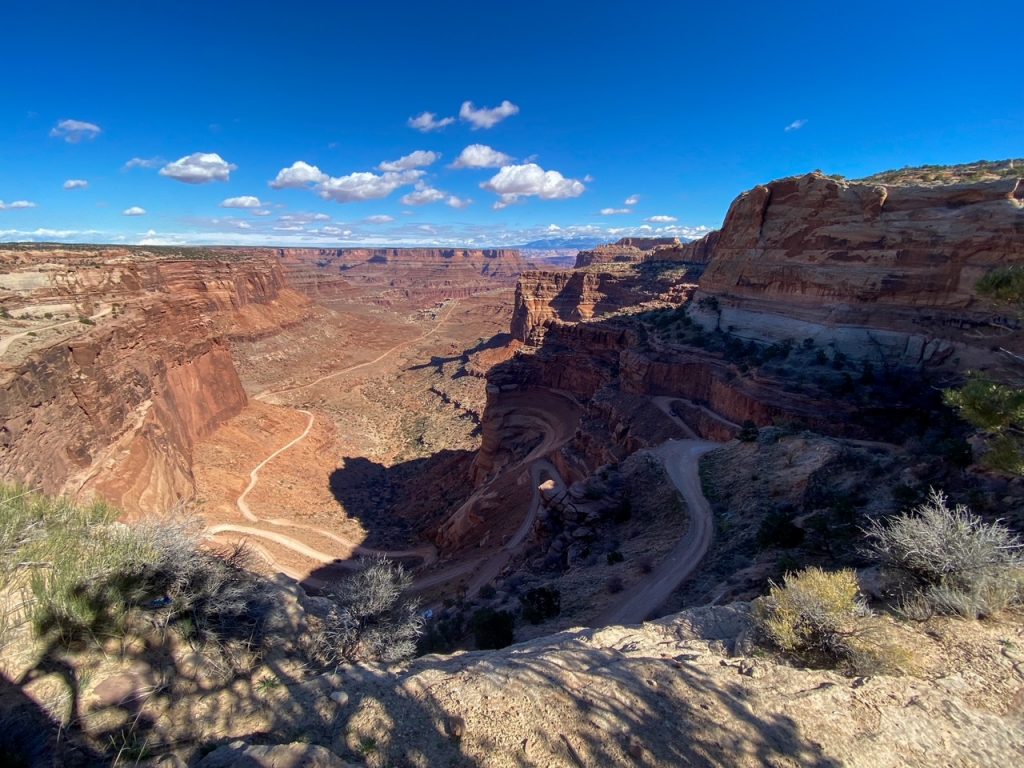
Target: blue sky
column 675, row 107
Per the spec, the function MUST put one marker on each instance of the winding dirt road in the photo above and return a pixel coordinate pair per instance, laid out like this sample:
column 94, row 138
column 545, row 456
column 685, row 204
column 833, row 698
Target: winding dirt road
column 681, row 459
column 427, row 553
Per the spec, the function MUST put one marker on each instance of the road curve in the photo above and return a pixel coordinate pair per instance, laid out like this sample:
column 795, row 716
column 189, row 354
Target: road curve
column 254, row 475
column 681, row 459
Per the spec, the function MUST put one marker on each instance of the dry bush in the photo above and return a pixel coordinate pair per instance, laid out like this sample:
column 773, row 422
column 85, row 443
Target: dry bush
column 949, row 561
column 372, row 621
column 818, row 618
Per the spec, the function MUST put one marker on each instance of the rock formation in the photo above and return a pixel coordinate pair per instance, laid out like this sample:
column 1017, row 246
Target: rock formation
column 112, row 401
column 883, row 272
column 420, row 276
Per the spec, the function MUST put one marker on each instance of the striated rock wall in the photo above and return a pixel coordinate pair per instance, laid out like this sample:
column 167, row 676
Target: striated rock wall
column 399, row 275
column 113, row 407
column 880, row 271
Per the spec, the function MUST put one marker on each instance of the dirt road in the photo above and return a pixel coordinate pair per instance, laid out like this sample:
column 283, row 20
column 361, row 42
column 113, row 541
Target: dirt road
column 681, row 459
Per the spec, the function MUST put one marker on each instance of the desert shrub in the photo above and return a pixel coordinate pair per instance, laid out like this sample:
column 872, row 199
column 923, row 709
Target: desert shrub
column 777, row 530
column 541, row 604
column 748, row 432
column 614, row 585
column 614, row 557
column 371, row 620
column 818, row 618
column 950, row 561
column 493, row 629
column 79, row 575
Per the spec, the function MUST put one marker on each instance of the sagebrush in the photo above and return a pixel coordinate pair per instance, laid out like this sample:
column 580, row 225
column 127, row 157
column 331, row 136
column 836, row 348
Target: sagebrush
column 949, row 561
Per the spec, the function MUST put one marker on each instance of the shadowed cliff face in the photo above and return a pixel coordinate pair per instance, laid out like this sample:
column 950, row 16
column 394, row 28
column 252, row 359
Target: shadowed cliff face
column 114, row 404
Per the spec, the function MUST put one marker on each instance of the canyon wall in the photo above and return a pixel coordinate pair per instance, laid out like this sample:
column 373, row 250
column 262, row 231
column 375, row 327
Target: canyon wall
column 112, row 402
column 880, row 271
column 408, row 276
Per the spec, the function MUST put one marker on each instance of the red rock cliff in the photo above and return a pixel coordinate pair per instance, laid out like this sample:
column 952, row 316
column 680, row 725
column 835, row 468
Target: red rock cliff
column 113, row 407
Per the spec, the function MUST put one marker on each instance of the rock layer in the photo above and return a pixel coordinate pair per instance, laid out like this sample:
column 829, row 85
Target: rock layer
column 114, row 406
column 880, row 271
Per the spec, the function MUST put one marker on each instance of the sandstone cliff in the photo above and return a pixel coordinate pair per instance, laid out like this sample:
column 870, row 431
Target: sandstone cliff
column 884, row 272
column 112, row 400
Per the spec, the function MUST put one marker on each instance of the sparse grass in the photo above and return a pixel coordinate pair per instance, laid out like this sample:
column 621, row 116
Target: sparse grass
column 75, row 574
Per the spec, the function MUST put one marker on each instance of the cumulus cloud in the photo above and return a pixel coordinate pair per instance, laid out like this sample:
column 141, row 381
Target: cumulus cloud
column 16, row 205
column 73, row 131
column 417, row 159
column 614, row 211
column 427, row 121
column 631, row 200
column 487, row 117
column 299, row 174
column 379, row 219
column 796, row 125
column 458, row 202
column 303, row 218
column 481, row 156
column 76, row 184
column 365, row 185
column 515, row 181
column 245, row 201
column 261, row 212
column 199, row 168
column 134, row 211
column 661, row 219
column 143, row 162
column 423, row 194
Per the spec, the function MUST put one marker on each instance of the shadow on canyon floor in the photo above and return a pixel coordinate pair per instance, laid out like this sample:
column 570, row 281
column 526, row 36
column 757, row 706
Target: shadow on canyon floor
column 399, row 505
column 497, row 341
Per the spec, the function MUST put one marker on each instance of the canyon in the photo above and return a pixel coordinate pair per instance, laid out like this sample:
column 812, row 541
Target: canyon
column 625, row 432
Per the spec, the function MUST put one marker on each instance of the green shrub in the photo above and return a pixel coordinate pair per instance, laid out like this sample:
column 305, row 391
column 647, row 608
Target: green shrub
column 950, row 561
column 748, row 432
column 541, row 604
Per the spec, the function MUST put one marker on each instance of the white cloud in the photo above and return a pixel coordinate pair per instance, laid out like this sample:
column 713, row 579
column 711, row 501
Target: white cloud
column 661, row 219
column 199, row 168
column 245, row 201
column 417, row 159
column 427, row 121
column 303, row 218
column 796, row 125
column 614, row 211
column 481, row 156
column 379, row 219
column 515, row 181
column 299, row 174
column 631, row 200
column 261, row 212
column 143, row 162
column 76, row 184
column 134, row 211
column 365, row 185
column 487, row 117
column 16, row 205
column 458, row 202
column 73, row 131
column 424, row 194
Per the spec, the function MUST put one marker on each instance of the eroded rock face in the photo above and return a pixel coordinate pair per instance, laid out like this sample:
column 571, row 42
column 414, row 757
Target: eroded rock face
column 881, row 271
column 113, row 406
column 399, row 275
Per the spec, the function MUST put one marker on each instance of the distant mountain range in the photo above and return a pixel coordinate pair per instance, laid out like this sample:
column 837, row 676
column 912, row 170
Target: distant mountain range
column 557, row 243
